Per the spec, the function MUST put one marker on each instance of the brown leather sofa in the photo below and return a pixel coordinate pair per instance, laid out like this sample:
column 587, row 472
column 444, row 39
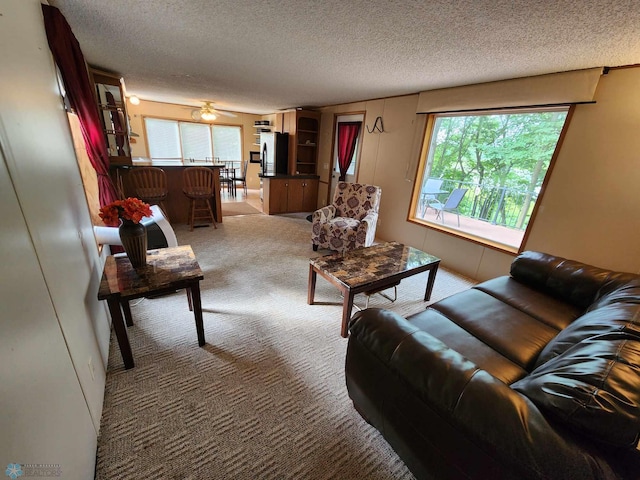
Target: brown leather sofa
column 535, row 375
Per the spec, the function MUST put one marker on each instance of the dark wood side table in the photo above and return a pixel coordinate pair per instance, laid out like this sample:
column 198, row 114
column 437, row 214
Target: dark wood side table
column 370, row 269
column 167, row 270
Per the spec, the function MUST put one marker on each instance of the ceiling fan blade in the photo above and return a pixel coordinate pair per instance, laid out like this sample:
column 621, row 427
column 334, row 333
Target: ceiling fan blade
column 226, row 114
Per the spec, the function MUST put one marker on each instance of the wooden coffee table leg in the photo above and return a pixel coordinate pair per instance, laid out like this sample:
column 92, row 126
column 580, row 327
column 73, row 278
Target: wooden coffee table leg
column 311, row 292
column 121, row 331
column 347, row 306
column 430, row 281
column 197, row 311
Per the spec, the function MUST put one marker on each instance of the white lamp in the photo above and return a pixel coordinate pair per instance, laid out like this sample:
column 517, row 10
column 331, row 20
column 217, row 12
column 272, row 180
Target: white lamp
column 208, row 116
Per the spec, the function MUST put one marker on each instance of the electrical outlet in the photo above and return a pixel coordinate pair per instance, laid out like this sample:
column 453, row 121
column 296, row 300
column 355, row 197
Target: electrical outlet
column 92, row 370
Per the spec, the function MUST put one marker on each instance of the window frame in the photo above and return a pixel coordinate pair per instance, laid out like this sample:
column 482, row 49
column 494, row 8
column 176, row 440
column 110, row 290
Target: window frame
column 178, row 121
column 424, row 154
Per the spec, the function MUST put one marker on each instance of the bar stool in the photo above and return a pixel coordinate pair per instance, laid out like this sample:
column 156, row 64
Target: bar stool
column 150, row 186
column 197, row 185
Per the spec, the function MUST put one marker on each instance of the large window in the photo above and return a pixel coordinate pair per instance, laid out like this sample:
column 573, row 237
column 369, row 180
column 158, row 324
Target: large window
column 174, row 141
column 227, row 143
column 481, row 172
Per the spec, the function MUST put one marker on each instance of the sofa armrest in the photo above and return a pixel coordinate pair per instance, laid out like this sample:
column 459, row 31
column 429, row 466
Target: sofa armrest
column 505, row 424
column 324, row 214
column 407, row 350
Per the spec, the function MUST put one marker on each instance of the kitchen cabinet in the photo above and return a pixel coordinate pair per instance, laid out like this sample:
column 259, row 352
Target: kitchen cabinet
column 288, row 194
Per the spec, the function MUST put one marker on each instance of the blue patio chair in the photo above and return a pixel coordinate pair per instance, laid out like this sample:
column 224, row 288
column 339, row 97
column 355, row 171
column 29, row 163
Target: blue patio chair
column 450, row 205
column 430, row 193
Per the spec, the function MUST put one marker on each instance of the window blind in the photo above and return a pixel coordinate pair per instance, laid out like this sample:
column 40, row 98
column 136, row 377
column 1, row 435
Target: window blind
column 196, row 141
column 163, row 138
column 227, row 143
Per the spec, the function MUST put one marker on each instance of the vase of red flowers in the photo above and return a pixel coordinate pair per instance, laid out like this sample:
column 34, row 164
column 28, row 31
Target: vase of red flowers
column 126, row 215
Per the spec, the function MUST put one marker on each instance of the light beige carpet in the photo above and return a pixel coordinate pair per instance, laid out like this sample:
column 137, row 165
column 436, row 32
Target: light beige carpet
column 232, row 209
column 265, row 398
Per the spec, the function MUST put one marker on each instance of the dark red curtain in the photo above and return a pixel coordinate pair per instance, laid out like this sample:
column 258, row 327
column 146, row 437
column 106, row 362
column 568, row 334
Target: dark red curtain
column 347, row 137
column 68, row 56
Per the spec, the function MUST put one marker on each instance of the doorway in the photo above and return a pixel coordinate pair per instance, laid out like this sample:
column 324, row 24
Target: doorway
column 352, row 172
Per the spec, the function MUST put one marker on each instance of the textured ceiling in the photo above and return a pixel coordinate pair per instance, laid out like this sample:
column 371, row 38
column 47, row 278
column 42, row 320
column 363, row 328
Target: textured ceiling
column 262, row 56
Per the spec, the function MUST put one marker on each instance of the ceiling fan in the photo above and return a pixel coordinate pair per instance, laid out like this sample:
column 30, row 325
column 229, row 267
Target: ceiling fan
column 208, row 113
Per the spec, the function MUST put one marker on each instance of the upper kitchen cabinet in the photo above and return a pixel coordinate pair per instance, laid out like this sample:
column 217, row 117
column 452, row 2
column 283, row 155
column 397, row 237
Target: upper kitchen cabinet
column 113, row 115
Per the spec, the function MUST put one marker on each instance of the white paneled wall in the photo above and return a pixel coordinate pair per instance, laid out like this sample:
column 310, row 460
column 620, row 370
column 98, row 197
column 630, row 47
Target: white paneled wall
column 54, row 333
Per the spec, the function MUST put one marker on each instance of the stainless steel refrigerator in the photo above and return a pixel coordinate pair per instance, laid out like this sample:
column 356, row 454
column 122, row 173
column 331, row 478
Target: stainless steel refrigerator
column 274, row 149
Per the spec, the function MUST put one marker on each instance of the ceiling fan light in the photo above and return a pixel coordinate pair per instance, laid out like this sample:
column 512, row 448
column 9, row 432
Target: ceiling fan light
column 208, row 116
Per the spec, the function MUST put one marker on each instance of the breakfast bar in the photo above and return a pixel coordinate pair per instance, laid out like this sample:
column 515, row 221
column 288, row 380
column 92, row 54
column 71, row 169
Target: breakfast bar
column 177, row 204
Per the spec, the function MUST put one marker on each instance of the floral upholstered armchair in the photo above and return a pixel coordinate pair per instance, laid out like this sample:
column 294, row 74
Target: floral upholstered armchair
column 350, row 221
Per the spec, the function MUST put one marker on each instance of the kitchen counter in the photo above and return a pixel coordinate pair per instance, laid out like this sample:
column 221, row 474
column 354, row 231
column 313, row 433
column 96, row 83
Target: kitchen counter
column 299, row 176
column 176, row 204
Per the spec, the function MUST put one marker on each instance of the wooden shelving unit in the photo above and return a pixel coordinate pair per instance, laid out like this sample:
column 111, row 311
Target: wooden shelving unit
column 304, row 128
column 261, row 126
column 113, row 115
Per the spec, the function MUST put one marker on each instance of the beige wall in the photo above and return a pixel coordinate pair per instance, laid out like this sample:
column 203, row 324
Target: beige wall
column 183, row 112
column 590, row 209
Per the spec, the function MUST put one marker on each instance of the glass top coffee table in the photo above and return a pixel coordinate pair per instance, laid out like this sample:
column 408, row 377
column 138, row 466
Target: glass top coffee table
column 370, row 269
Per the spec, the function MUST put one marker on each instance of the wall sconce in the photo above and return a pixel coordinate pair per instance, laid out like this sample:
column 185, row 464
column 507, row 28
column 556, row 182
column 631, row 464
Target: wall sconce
column 134, row 100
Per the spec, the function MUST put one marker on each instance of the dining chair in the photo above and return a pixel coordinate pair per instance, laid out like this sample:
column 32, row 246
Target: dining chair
column 226, row 178
column 450, row 205
column 243, row 176
column 198, row 187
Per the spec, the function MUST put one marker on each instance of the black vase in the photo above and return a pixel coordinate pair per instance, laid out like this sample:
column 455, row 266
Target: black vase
column 134, row 242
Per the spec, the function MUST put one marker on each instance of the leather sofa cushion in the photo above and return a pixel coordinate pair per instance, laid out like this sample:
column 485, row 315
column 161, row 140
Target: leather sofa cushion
column 627, row 293
column 458, row 339
column 555, row 313
column 615, row 317
column 592, row 388
column 509, row 331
